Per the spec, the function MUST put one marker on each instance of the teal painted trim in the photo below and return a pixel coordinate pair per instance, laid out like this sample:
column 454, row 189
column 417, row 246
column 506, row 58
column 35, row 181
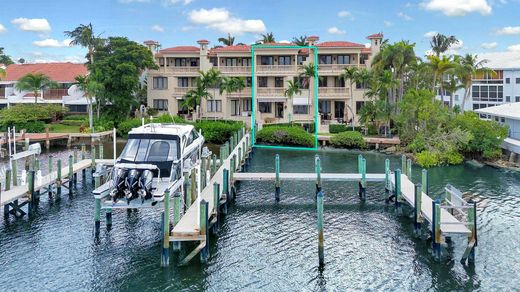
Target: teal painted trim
column 253, row 96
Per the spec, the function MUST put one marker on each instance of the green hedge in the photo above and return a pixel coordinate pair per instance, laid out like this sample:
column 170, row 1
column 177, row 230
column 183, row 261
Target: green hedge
column 22, row 113
column 76, row 117
column 217, row 132
column 285, row 135
column 309, row 127
column 339, row 128
column 29, row 126
column 348, row 139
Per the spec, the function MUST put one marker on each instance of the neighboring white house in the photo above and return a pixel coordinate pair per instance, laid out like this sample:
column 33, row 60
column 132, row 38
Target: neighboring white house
column 508, row 114
column 67, row 94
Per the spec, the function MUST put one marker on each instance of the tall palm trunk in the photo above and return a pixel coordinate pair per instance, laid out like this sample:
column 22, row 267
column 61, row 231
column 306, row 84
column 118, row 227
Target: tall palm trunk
column 451, row 100
column 466, row 94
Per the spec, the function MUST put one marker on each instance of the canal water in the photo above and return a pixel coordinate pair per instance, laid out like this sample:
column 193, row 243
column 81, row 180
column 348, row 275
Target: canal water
column 268, row 246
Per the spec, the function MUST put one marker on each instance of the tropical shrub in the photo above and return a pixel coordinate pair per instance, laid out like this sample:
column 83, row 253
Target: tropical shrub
column 285, row 135
column 217, row 132
column 76, row 117
column 348, row 139
column 28, row 127
column 427, row 159
column 23, row 113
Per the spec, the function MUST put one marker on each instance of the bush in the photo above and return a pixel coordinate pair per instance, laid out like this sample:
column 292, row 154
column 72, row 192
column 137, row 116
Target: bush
column 22, row 113
column 348, row 139
column 308, row 127
column 73, row 122
column 427, row 159
column 166, row 118
column 339, row 128
column 125, row 126
column 217, row 132
column 29, row 126
column 285, row 135
column 76, row 117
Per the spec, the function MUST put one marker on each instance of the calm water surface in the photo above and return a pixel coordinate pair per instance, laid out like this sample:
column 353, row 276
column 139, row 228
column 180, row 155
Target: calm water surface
column 268, row 246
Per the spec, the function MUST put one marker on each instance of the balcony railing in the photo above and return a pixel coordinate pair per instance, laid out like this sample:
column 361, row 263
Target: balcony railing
column 235, row 69
column 243, row 93
column 270, row 91
column 182, row 90
column 276, row 69
column 183, row 69
column 333, row 91
column 55, row 93
column 334, row 68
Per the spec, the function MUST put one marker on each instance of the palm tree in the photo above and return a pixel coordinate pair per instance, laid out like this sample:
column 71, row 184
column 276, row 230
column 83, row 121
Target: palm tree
column 240, row 84
column 227, row 85
column 91, row 88
column 350, row 73
column 268, row 38
column 2, row 73
column 229, row 41
column 300, row 41
column 83, row 35
column 441, row 43
column 211, row 79
column 451, row 86
column 467, row 67
column 292, row 89
column 440, row 66
column 363, row 77
column 34, row 83
column 308, row 72
column 193, row 97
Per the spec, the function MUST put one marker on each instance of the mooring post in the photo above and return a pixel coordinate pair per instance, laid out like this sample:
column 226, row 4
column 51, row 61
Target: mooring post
column 226, row 152
column 83, row 149
column 165, row 257
column 71, row 174
column 214, row 164
column 277, row 178
column 93, row 157
column 49, row 188
column 436, row 229
column 231, row 144
column 32, row 195
column 176, row 217
column 417, row 209
column 317, row 166
column 321, row 255
column 7, row 179
column 193, row 185
column 409, row 168
column 204, row 253
column 472, row 218
column 6, row 206
column 225, row 189
column 15, row 172
column 232, row 169
column 424, row 181
column 403, row 164
column 239, row 158
column 97, row 216
column 397, row 191
column 363, row 181
column 187, row 199
column 58, row 177
column 216, row 206
column 388, row 185
column 75, row 175
column 203, row 173
column 101, row 150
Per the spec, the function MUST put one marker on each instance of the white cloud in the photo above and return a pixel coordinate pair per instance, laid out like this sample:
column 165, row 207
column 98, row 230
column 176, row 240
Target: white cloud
column 430, row 34
column 457, row 46
column 508, row 30
column 52, row 43
column 388, row 23
column 335, row 30
column 221, row 20
column 514, row 48
column 345, row 14
column 187, row 28
column 501, row 59
column 489, row 46
column 404, row 16
column 157, row 28
column 284, row 42
column 174, row 2
column 133, row 1
column 367, row 45
column 458, row 7
column 33, row 24
column 2, row 28
column 52, row 58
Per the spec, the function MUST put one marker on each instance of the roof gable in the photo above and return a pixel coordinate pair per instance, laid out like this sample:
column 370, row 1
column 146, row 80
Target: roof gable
column 58, row 72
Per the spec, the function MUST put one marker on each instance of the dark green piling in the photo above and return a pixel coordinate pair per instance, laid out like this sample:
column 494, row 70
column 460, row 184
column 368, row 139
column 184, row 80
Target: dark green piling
column 97, row 216
column 71, row 172
column 32, row 195
column 397, row 191
column 165, row 257
column 317, row 169
column 204, row 253
column 187, row 199
column 58, row 177
column 417, row 209
column 424, row 182
column 363, row 181
column 216, row 206
column 225, row 189
column 214, row 165
column 321, row 244
column 176, row 217
column 436, row 229
column 277, row 178
column 472, row 218
column 388, row 184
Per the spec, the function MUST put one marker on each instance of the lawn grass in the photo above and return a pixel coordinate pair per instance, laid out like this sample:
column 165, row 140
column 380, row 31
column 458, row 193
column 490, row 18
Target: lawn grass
column 60, row 128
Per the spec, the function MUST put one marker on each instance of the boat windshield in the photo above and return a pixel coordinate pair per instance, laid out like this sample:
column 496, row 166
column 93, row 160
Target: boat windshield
column 150, row 150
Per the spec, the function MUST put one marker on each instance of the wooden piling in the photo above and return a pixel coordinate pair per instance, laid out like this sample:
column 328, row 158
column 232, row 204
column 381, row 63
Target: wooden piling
column 50, row 168
column 97, row 216
column 101, row 150
column 397, row 190
column 176, row 217
column 187, row 199
column 93, row 157
column 277, row 179
column 472, row 218
column 424, row 181
column 58, row 177
column 71, row 174
column 436, row 229
column 363, row 181
column 193, row 177
column 216, row 206
column 403, row 164
column 204, row 253
column 32, row 195
column 239, row 162
column 417, row 209
column 165, row 257
column 317, row 169
column 203, row 173
column 225, row 189
column 321, row 245
column 214, row 165
column 7, row 179
column 388, row 185
column 409, row 168
column 15, row 172
column 232, row 170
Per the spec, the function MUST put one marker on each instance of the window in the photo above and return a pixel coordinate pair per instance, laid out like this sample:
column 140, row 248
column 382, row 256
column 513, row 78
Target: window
column 325, row 59
column 502, row 120
column 324, row 106
column 517, row 80
column 508, row 80
column 278, row 82
column 302, row 81
column 246, row 61
column 77, row 108
column 180, row 62
column 363, row 58
column 301, row 59
column 214, row 106
column 284, row 60
column 264, row 107
column 344, row 59
column 249, row 82
column 231, row 61
column 139, row 150
column 159, row 150
column 160, row 104
column 182, row 82
column 247, row 105
column 517, row 98
column 266, row 60
column 508, row 98
column 339, row 82
column 359, row 105
column 456, row 97
column 262, row 81
column 235, row 107
column 160, row 83
column 300, row 109
column 184, row 62
column 182, row 108
column 322, row 81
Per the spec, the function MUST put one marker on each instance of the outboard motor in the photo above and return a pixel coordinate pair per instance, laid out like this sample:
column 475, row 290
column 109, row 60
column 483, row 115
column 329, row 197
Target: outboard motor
column 119, row 187
column 145, row 188
column 132, row 185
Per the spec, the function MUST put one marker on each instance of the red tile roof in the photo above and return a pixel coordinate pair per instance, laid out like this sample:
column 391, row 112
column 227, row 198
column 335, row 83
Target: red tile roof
column 203, row 41
column 237, row 48
column 341, row 44
column 366, row 50
column 375, row 36
column 181, row 49
column 59, row 72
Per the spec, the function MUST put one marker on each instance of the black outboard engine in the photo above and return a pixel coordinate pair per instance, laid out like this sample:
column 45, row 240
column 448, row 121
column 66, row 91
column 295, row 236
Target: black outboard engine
column 119, row 189
column 132, row 185
column 145, row 187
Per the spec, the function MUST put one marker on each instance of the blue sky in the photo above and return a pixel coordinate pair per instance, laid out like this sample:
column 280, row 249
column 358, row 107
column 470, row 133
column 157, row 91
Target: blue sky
column 33, row 29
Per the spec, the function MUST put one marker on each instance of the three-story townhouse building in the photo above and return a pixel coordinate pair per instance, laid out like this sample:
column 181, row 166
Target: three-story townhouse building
column 273, row 68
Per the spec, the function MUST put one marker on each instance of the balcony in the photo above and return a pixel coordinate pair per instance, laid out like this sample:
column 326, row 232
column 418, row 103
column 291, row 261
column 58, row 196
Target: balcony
column 55, row 93
column 276, row 69
column 180, row 70
column 333, row 68
column 246, row 92
column 182, row 90
column 333, row 92
column 270, row 91
column 235, row 70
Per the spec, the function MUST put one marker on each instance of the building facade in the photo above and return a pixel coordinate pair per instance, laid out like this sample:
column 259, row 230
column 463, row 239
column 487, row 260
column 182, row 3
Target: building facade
column 273, row 68
column 66, row 94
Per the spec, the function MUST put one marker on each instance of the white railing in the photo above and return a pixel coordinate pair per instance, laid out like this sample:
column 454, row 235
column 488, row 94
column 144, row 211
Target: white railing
column 235, row 69
column 326, row 91
column 270, row 91
column 243, row 93
column 276, row 68
column 183, row 69
column 182, row 90
column 334, row 68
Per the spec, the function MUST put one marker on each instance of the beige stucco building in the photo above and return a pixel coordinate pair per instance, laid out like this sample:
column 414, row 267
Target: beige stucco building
column 273, row 68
